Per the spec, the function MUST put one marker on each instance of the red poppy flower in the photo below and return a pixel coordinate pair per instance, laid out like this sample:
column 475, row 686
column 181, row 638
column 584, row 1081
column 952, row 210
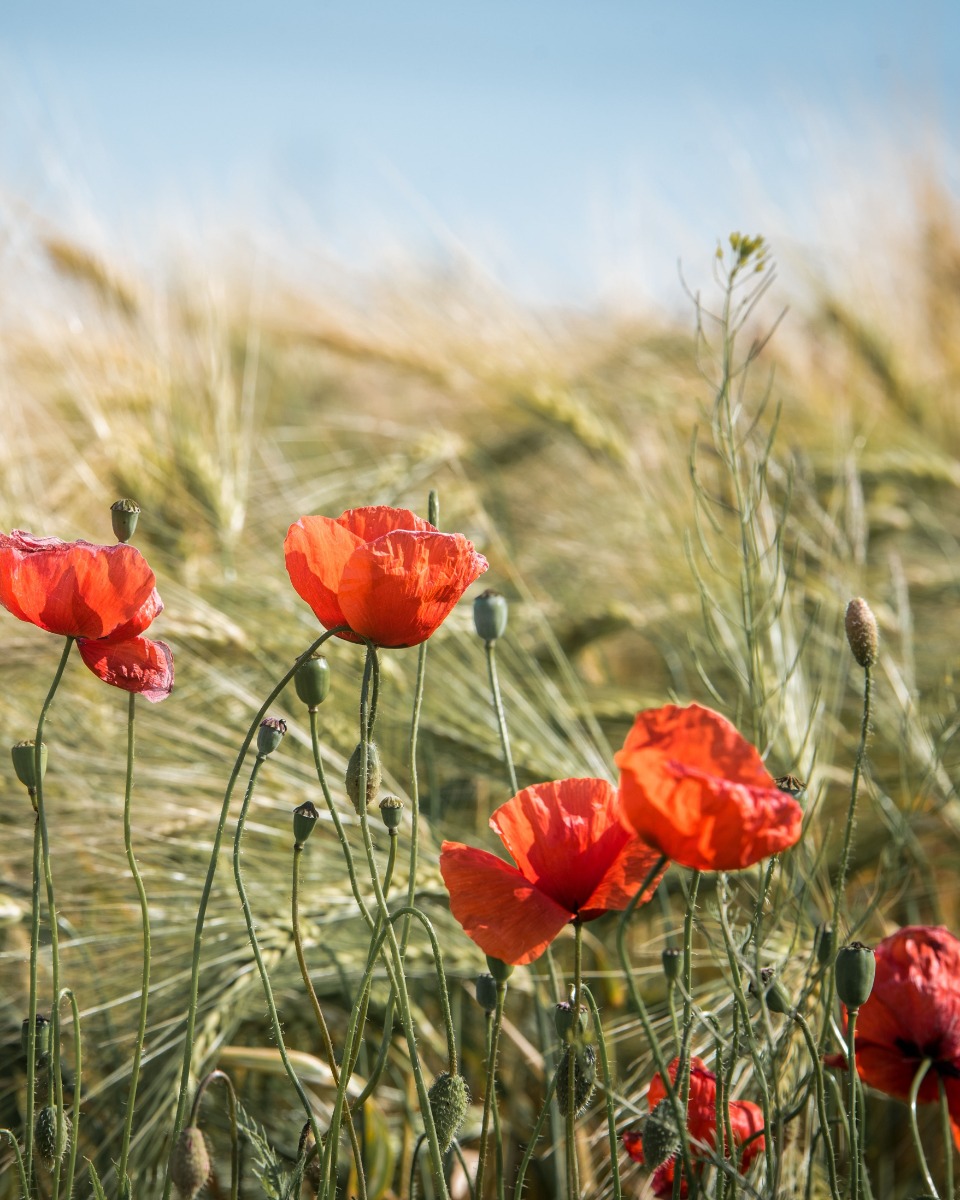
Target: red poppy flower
column 692, row 787
column 104, row 596
column 746, row 1124
column 913, row 1013
column 384, row 572
column 575, row 858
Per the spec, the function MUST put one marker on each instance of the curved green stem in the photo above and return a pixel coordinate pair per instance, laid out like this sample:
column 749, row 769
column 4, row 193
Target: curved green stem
column 607, row 1094
column 534, row 1138
column 145, row 924
column 817, row 1067
column 856, row 1121
column 31, row 1097
column 414, row 791
column 914, row 1128
column 490, row 1094
column 24, row 1186
column 77, row 1075
column 491, row 648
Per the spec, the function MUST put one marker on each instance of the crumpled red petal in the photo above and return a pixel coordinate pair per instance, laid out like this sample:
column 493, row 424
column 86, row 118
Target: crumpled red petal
column 136, row 664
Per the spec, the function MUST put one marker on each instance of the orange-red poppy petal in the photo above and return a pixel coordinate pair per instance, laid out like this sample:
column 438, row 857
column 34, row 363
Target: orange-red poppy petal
column 316, row 550
column 72, row 588
column 507, row 916
column 136, row 665
column 374, row 520
column 398, row 589
column 692, row 787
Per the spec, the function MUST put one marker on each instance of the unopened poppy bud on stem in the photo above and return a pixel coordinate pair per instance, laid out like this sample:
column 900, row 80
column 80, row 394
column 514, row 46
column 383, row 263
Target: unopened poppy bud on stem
column 312, row 681
column 856, row 969
column 569, row 1025
column 661, row 1138
column 43, row 1035
column 354, row 771
column 490, row 615
column 500, row 970
column 584, row 1079
column 862, row 633
column 190, row 1164
column 449, row 1100
column 672, row 960
column 124, row 515
column 391, row 811
column 45, row 1136
column 487, row 992
column 304, row 821
column 270, row 735
column 25, row 763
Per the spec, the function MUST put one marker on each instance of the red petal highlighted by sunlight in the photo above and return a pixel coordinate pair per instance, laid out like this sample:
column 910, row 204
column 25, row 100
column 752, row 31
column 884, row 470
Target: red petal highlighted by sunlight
column 135, row 664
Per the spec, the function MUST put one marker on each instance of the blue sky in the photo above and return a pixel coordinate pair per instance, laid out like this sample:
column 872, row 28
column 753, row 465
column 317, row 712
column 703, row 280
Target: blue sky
column 570, row 148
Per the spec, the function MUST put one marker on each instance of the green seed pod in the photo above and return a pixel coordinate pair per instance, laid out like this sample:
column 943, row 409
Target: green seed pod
column 856, row 967
column 270, row 735
column 862, row 633
column 569, row 1026
column 124, row 515
column 45, row 1136
column 487, row 992
column 312, row 1170
column 312, row 681
column 500, row 970
column 778, row 1001
column 449, row 1101
column 43, row 1036
column 490, row 615
column 661, row 1139
column 825, row 942
column 391, row 811
column 305, row 818
column 584, row 1079
column 672, row 960
column 190, row 1163
column 352, row 780
column 24, row 763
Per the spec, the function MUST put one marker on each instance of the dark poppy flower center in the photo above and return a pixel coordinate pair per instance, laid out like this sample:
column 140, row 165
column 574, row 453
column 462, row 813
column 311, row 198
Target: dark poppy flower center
column 932, row 1050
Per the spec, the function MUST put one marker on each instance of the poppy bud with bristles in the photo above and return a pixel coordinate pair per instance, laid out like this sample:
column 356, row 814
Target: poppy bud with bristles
column 862, row 633
column 570, row 1026
column 584, row 1079
column 354, row 769
column 45, row 1136
column 124, row 515
column 190, row 1163
column 487, row 992
column 449, row 1101
column 270, row 735
column 660, row 1136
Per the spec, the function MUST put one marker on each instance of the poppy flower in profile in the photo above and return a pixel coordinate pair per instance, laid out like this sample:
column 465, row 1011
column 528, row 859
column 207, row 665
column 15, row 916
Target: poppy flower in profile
column 746, row 1125
column 574, row 857
column 913, row 1014
column 103, row 596
column 384, row 572
column 696, row 790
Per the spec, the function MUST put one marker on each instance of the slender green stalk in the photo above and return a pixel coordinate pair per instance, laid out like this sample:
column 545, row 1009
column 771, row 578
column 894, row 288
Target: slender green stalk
column 534, row 1138
column 491, row 648
column 21, row 1171
column 414, row 788
column 32, row 1010
column 573, row 1172
column 607, row 1095
column 77, row 1092
column 915, row 1129
column 489, row 1098
column 817, row 1067
column 856, row 1121
column 208, row 887
column 145, row 924
column 721, row 1116
column 946, row 1130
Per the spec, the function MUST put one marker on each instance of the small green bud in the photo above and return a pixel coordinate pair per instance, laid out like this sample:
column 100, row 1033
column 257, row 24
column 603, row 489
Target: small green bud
column 862, row 633
column 672, row 960
column 391, row 810
column 124, row 515
column 43, row 1036
column 584, row 1079
column 500, row 970
column 305, row 818
column 354, row 766
column 825, row 942
column 487, row 992
column 270, row 735
column 45, row 1136
column 856, row 968
column 312, row 681
column 569, row 1026
column 449, row 1101
column 490, row 615
column 778, row 1001
column 661, row 1139
column 190, row 1163
column 25, row 763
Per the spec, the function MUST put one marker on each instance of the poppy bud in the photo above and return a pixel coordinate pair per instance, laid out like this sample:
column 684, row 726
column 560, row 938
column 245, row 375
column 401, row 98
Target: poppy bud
column 862, row 634
column 304, row 819
column 354, row 767
column 391, row 810
column 43, row 1036
column 490, row 615
column 312, row 681
column 856, row 967
column 672, row 960
column 777, row 999
column 45, row 1136
column 584, row 1079
column 487, row 992
column 190, row 1163
column 124, row 515
column 449, row 1100
column 312, row 1170
column 25, row 763
column 270, row 735
column 825, row 943
column 568, row 1026
column 661, row 1139
column 500, row 970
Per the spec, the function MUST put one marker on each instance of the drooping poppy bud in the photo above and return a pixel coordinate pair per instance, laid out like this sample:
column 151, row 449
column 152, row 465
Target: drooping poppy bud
column 777, row 999
column 570, row 1025
column 584, row 1079
column 490, row 615
column 672, row 960
column 862, row 633
column 43, row 1036
column 825, row 942
column 270, row 735
column 312, row 681
column 487, row 992
column 124, row 515
column 449, row 1100
column 190, row 1164
column 354, row 767
column 391, row 810
column 305, row 818
column 856, row 968
column 661, row 1138
column 45, row 1136
column 500, row 970
column 25, row 763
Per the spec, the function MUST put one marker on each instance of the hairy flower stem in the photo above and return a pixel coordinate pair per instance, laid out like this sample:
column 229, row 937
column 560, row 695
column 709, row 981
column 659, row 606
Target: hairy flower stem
column 77, row 1091
column 489, row 1098
column 208, row 887
column 607, row 1095
column 856, row 1116
column 946, row 1131
column 914, row 1128
column 145, row 925
column 54, row 943
column 218, row 1076
column 572, row 1166
column 31, row 1096
column 817, row 1068
column 491, row 648
column 415, row 785
column 534, row 1138
column 21, row 1171
column 318, row 1013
